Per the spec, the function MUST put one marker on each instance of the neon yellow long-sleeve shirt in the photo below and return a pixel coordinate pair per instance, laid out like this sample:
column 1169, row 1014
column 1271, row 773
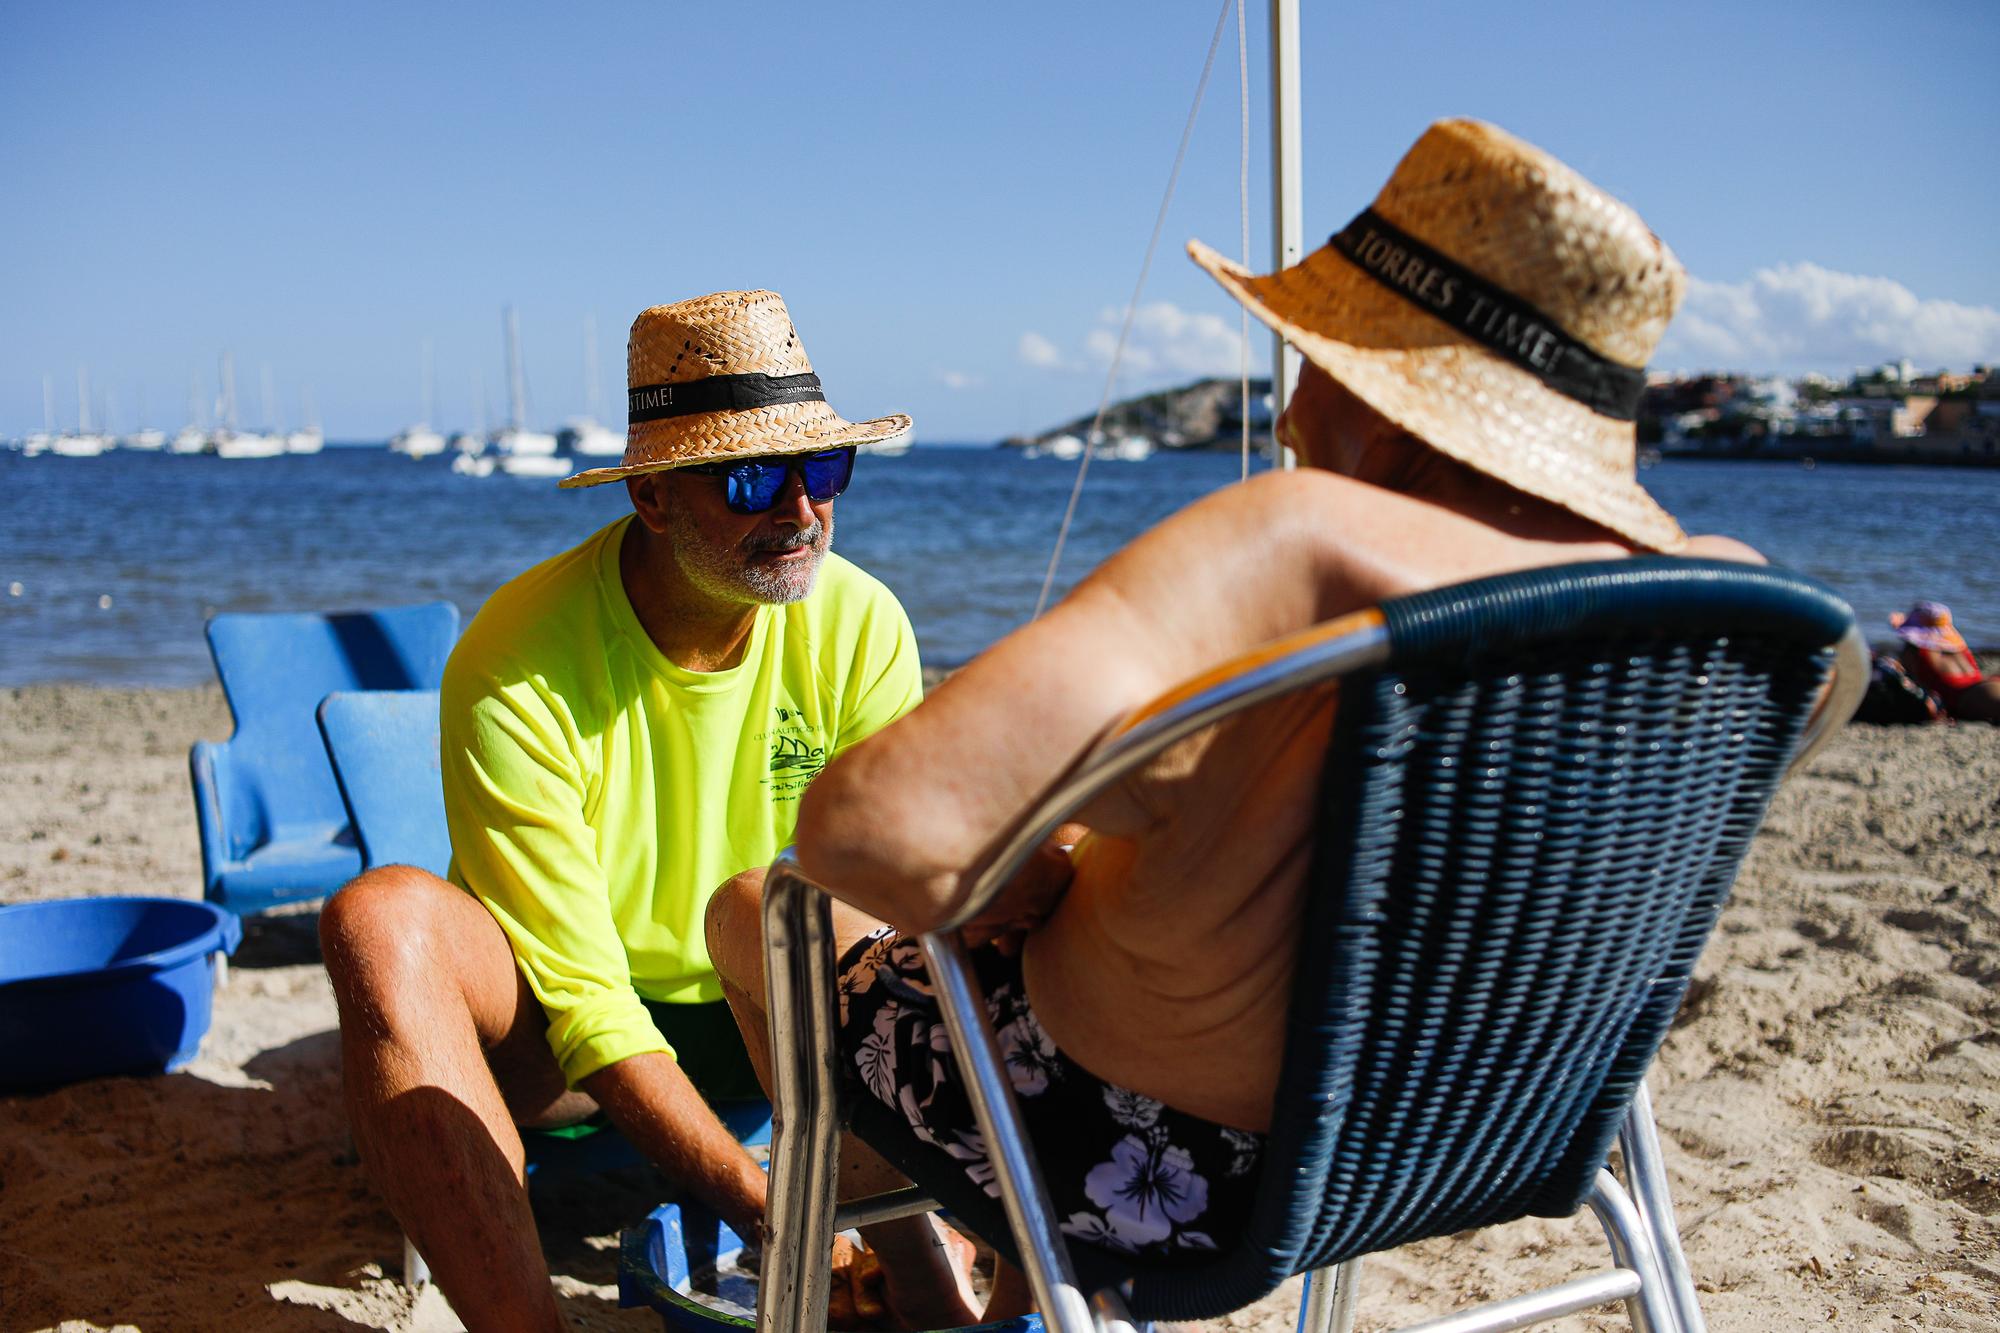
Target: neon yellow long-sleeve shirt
column 597, row 794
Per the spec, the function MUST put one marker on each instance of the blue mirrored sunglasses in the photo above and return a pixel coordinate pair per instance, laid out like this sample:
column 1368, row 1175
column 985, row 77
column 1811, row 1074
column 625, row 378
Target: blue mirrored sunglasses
column 753, row 485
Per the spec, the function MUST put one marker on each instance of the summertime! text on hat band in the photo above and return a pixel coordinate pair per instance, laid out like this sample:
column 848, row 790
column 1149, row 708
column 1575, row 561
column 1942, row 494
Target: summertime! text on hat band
column 720, row 393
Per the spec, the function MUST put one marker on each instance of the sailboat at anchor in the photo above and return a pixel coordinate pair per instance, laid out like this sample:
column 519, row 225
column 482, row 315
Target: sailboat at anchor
column 523, row 452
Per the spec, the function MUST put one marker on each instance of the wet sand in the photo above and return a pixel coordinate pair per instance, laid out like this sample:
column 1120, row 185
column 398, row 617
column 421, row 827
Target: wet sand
column 1829, row 1101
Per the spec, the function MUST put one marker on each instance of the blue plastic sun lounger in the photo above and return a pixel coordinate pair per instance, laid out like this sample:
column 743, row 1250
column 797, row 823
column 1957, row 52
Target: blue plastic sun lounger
column 1534, row 803
column 272, row 826
column 383, row 745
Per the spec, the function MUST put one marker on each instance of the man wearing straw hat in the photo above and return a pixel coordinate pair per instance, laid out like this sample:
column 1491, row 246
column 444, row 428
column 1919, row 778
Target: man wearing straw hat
column 624, row 727
column 1476, row 344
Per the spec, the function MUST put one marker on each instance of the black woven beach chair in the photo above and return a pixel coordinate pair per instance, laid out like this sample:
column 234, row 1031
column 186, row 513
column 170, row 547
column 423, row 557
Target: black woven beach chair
column 1535, row 800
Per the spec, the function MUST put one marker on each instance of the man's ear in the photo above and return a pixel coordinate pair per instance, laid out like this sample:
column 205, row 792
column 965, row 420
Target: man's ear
column 649, row 500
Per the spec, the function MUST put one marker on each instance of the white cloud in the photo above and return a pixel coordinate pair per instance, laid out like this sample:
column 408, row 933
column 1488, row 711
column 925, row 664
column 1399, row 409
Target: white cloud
column 1039, row 352
column 1803, row 317
column 1165, row 341
column 958, row 379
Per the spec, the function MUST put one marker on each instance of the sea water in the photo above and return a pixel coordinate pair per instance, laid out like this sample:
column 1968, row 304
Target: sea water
column 109, row 566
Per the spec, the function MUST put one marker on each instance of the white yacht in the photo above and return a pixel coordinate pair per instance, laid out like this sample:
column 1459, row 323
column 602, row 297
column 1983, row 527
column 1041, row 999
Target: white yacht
column 534, row 465
column 231, row 442
column 83, row 442
column 525, row 443
column 515, row 439
column 193, row 437
column 584, row 435
column 309, row 438
column 43, row 440
column 247, row 444
column 894, row 447
column 146, row 439
column 420, row 441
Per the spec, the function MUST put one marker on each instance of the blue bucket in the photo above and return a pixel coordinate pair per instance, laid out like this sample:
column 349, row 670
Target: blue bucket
column 96, row 986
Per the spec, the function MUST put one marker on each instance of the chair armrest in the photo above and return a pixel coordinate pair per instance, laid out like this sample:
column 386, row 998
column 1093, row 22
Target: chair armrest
column 805, row 1157
column 1844, row 690
column 799, row 996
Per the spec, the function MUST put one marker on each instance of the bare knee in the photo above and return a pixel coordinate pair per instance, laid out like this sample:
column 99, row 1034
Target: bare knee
column 735, row 928
column 384, row 931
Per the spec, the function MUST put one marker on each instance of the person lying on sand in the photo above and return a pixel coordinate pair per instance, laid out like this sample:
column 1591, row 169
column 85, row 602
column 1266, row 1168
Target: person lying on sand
column 1937, row 657
column 1476, row 344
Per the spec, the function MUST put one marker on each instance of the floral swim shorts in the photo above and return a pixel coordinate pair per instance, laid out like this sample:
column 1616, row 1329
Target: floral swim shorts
column 1124, row 1171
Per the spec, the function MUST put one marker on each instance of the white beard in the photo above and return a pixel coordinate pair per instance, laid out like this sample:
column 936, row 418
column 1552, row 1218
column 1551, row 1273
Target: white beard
column 728, row 573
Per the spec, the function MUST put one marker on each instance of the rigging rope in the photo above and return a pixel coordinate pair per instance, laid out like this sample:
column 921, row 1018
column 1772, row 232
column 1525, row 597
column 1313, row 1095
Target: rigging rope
column 1243, row 204
column 1131, row 310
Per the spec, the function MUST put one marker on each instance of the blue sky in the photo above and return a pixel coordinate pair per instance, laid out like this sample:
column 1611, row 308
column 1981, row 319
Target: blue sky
column 954, row 199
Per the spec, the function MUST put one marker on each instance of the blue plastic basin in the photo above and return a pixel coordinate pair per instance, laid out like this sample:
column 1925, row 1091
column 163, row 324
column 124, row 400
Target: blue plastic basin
column 95, row 986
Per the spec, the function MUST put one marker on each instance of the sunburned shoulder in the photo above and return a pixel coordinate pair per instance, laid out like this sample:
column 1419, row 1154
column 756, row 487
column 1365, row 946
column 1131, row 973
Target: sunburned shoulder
column 1716, row 547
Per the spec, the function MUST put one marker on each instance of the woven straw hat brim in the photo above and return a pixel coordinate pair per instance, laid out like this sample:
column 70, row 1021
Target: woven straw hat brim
column 1453, row 394
column 706, row 437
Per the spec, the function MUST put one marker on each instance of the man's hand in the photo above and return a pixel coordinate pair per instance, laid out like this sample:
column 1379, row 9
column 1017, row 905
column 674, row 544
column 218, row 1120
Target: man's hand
column 651, row 1100
column 855, row 1300
column 1029, row 898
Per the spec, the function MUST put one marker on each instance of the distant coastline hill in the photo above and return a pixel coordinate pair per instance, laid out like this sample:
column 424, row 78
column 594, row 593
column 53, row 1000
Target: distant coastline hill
column 1207, row 414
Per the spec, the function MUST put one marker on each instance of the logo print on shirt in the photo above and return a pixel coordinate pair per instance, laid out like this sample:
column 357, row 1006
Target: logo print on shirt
column 798, row 753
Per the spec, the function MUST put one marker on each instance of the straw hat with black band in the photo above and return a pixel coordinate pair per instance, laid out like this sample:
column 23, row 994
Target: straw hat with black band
column 1500, row 308
column 724, row 376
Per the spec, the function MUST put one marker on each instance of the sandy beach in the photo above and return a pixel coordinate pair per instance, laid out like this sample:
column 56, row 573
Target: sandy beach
column 1830, row 1100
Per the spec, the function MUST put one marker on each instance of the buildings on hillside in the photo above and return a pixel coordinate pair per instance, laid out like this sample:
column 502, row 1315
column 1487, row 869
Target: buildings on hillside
column 1888, row 414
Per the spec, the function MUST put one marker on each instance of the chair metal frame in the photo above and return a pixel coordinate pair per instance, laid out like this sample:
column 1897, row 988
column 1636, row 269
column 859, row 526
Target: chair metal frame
column 1650, row 1275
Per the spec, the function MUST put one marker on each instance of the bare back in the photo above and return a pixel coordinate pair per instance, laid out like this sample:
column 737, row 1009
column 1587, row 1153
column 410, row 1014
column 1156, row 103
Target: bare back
column 1167, row 968
column 1167, row 965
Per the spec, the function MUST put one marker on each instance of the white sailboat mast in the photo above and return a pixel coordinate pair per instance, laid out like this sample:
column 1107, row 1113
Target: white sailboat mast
column 270, row 399
column 227, row 408
column 430, row 385
column 517, row 389
column 1287, row 206
column 48, row 405
column 82, row 401
column 590, row 366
